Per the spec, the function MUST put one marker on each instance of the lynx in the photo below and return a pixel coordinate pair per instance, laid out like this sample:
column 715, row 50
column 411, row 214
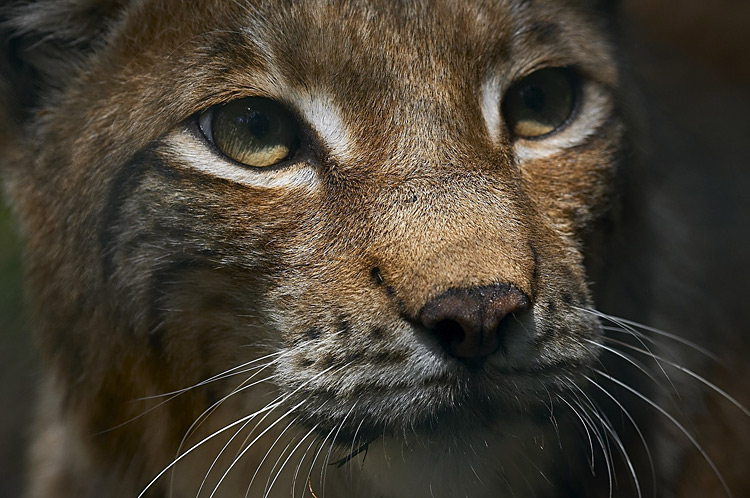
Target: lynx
column 341, row 249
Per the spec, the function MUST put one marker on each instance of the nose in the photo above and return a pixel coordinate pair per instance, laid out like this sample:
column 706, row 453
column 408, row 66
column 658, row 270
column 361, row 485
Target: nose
column 468, row 322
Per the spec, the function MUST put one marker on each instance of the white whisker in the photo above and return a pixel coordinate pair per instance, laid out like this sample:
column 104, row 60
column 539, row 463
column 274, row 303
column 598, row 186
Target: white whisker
column 279, row 419
column 676, row 423
column 333, row 442
column 692, row 374
column 585, row 427
column 299, row 467
column 607, row 424
column 281, row 468
column 630, row 325
column 625, row 357
column 225, row 428
column 208, row 411
column 637, row 428
column 626, row 327
column 268, row 451
column 196, row 445
column 601, row 439
column 231, row 372
column 218, row 456
column 317, row 454
column 250, row 445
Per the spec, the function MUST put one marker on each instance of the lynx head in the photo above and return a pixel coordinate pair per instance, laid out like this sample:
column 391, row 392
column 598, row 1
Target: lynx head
column 385, row 206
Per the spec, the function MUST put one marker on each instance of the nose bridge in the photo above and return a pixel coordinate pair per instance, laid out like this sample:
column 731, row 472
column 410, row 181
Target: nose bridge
column 459, row 231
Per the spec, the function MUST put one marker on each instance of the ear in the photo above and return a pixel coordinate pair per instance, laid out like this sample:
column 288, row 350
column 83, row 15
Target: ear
column 43, row 41
column 42, row 44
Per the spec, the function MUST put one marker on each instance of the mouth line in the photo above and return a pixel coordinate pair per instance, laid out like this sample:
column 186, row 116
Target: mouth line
column 452, row 404
column 479, row 371
column 448, row 413
column 440, row 429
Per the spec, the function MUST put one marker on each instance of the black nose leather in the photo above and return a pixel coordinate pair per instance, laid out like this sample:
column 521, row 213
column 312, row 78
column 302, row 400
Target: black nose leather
column 468, row 321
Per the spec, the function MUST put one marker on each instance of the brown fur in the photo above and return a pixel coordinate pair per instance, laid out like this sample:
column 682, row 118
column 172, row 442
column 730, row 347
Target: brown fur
column 149, row 275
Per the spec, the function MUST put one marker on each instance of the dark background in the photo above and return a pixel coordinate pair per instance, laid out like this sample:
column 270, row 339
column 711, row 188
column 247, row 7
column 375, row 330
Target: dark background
column 691, row 62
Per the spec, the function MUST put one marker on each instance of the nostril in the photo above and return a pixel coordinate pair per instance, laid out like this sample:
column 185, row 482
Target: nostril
column 469, row 323
column 449, row 333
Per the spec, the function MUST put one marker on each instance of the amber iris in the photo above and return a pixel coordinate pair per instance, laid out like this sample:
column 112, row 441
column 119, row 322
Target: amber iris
column 254, row 131
column 540, row 103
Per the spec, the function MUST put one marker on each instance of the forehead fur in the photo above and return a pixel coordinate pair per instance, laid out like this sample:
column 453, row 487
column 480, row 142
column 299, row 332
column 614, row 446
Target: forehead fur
column 429, row 65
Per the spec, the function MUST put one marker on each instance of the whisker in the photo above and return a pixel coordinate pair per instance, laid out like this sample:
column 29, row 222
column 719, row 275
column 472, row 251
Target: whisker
column 196, row 445
column 174, row 394
column 674, row 337
column 241, row 387
column 552, row 417
column 268, row 452
column 692, row 374
column 231, row 372
column 606, row 450
column 315, row 458
column 299, row 467
column 635, row 426
column 626, row 327
column 479, row 479
column 279, row 419
column 585, row 427
column 641, row 336
column 533, row 463
column 211, row 409
column 333, row 442
column 250, row 445
column 281, row 468
column 225, row 428
column 352, row 452
column 622, row 322
column 607, row 424
column 676, row 423
column 526, row 481
column 218, row 456
column 625, row 357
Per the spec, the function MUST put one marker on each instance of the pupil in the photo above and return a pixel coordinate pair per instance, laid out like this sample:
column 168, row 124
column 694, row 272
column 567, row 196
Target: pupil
column 257, row 123
column 533, row 97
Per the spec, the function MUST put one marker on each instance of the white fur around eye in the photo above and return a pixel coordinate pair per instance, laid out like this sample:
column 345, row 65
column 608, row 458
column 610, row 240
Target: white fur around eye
column 593, row 110
column 184, row 148
column 324, row 117
column 490, row 104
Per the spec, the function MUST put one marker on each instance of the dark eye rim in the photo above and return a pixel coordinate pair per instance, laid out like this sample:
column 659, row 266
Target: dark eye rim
column 576, row 81
column 201, row 123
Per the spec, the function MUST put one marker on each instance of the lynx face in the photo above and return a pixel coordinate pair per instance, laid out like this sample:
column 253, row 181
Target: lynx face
column 379, row 209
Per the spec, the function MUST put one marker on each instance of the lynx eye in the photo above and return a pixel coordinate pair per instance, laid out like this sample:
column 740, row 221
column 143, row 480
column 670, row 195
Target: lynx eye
column 254, row 131
column 540, row 103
